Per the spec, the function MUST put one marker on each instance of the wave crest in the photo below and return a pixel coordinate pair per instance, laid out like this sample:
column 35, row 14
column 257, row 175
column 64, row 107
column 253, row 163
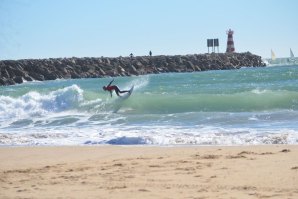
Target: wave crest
column 34, row 103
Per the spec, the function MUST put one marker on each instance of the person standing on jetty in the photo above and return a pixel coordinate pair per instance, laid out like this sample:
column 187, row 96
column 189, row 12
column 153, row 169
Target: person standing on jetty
column 112, row 88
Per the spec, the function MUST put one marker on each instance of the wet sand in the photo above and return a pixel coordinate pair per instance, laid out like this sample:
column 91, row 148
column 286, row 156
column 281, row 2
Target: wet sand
column 149, row 172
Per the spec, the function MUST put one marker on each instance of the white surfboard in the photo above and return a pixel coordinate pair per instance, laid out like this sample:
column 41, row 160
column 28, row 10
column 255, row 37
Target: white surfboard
column 126, row 95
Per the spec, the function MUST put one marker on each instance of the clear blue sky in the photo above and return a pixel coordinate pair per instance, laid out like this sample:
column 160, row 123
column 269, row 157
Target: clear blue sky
column 94, row 28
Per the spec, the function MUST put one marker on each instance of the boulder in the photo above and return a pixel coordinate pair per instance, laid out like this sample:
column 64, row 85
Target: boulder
column 18, row 79
column 28, row 78
column 14, row 71
column 4, row 73
column 37, row 76
column 50, row 76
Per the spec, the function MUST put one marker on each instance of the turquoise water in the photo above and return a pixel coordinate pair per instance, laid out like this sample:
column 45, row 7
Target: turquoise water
column 236, row 107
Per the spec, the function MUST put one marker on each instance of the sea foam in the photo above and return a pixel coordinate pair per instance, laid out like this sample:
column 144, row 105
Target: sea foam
column 35, row 103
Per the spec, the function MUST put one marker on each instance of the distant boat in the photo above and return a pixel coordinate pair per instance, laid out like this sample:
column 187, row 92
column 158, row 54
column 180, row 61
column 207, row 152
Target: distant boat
column 273, row 57
column 291, row 53
column 292, row 57
column 292, row 60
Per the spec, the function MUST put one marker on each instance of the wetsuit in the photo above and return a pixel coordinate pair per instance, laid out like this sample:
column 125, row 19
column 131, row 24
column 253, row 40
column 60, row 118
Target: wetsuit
column 115, row 88
column 110, row 88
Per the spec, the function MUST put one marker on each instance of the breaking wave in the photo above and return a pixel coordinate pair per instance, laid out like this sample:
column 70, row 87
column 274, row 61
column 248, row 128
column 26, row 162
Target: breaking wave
column 249, row 106
column 34, row 104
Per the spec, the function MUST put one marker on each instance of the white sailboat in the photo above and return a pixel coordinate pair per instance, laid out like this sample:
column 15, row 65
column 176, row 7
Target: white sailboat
column 292, row 60
column 273, row 57
column 273, row 60
column 291, row 53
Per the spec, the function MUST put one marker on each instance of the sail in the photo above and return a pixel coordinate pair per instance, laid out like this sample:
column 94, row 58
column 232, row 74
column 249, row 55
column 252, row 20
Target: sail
column 272, row 55
column 291, row 53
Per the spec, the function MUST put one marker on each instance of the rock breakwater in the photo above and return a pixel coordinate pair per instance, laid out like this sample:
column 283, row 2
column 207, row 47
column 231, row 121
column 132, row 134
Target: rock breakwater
column 18, row 71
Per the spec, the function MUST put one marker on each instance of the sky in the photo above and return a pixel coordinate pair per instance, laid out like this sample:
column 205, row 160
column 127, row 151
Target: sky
column 35, row 29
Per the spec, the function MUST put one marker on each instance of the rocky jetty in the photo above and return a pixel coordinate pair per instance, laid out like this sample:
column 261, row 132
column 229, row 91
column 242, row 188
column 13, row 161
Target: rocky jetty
column 18, row 71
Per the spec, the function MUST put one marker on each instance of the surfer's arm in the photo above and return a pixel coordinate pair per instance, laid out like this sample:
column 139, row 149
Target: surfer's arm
column 110, row 83
column 111, row 93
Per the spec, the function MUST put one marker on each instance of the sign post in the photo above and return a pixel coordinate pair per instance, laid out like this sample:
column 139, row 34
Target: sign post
column 213, row 43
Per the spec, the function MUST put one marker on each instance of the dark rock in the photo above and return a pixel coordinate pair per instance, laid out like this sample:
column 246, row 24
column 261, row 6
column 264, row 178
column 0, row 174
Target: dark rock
column 2, row 81
column 190, row 65
column 28, row 78
column 18, row 79
column 50, row 76
column 74, row 75
column 5, row 81
column 14, row 71
column 134, row 70
column 4, row 73
column 36, row 76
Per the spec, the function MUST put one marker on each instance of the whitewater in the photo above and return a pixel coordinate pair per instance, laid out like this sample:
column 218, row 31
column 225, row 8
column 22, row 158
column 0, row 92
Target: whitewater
column 249, row 106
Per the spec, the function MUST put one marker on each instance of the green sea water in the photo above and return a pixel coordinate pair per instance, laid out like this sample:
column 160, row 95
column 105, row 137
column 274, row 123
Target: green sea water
column 235, row 107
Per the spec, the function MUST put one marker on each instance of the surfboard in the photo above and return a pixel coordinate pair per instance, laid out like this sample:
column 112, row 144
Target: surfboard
column 118, row 102
column 126, row 95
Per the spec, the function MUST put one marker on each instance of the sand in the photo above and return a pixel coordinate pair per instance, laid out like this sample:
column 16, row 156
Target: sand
column 149, row 172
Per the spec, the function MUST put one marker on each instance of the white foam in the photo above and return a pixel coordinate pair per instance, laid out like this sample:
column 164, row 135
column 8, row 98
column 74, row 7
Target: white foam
column 258, row 91
column 167, row 135
column 95, row 131
column 138, row 83
column 34, row 103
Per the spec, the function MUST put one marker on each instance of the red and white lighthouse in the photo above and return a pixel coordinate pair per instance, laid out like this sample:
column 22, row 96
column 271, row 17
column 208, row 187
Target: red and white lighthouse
column 230, row 42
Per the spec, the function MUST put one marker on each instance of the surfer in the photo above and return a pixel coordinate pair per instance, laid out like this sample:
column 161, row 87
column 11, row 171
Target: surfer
column 112, row 88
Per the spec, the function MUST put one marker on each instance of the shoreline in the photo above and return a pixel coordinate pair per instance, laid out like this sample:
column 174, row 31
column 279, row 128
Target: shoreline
column 262, row 171
column 144, row 145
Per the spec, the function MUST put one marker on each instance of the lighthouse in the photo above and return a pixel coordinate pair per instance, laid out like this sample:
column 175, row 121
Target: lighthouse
column 230, row 42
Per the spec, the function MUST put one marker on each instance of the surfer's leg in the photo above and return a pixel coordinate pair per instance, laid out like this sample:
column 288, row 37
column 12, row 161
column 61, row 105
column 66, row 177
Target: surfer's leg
column 117, row 91
column 123, row 91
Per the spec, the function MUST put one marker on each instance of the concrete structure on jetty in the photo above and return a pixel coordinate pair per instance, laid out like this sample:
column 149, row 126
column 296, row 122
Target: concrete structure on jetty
column 18, row 71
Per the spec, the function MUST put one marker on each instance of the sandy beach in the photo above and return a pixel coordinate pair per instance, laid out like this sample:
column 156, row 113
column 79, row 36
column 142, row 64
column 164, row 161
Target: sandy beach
column 149, row 172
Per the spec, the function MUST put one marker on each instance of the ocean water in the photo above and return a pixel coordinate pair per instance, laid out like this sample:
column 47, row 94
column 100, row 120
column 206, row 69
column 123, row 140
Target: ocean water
column 237, row 107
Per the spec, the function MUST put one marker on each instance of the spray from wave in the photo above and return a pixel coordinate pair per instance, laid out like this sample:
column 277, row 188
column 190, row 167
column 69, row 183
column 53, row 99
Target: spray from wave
column 37, row 104
column 70, row 98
